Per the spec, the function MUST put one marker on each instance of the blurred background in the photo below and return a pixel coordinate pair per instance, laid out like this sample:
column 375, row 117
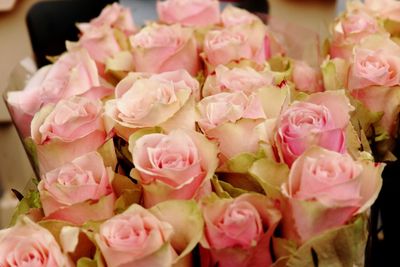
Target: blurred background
column 51, row 22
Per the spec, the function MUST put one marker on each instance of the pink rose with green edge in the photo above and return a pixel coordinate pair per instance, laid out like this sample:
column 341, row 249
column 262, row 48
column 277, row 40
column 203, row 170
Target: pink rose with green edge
column 232, row 16
column 28, row 244
column 320, row 120
column 374, row 78
column 197, row 13
column 101, row 44
column 233, row 44
column 161, row 48
column 350, row 29
column 178, row 165
column 238, row 231
column 145, row 100
column 74, row 73
column 155, row 237
column 242, row 20
column 227, row 117
column 326, row 189
column 78, row 191
column 237, row 79
column 67, row 130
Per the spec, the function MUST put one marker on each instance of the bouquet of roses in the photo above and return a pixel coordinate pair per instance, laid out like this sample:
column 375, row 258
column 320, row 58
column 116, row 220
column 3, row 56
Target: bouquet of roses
column 195, row 141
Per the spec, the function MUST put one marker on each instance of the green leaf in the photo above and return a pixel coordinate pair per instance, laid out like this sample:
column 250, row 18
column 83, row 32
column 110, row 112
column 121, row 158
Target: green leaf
column 231, row 190
column 31, row 150
column 127, row 198
column 362, row 118
column 381, row 134
column 283, row 247
column 127, row 192
column 393, row 27
column 97, row 261
column 181, row 214
column 270, row 175
column 226, row 190
column 201, row 78
column 29, row 202
column 241, row 181
column 343, row 246
column 86, row 262
column 217, row 188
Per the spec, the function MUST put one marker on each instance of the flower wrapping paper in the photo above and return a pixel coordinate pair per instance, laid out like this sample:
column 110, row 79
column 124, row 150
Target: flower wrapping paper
column 197, row 141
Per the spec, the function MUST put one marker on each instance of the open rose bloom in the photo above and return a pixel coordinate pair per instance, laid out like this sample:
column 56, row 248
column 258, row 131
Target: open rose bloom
column 193, row 141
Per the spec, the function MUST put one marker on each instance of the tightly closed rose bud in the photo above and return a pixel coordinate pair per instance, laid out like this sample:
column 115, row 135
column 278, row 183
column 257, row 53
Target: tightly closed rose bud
column 326, row 189
column 161, row 48
column 238, row 231
column 165, row 100
column 66, row 193
column 321, row 120
column 136, row 238
column 67, row 130
column 28, row 244
column 174, row 166
column 189, row 12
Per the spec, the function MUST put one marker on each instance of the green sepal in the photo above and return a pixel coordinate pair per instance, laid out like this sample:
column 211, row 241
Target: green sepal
column 29, row 202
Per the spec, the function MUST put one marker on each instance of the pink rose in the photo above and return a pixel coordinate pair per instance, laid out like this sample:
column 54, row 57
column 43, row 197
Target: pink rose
column 325, row 189
column 233, row 16
column 388, row 9
column 74, row 73
column 322, row 121
column 371, row 67
column 145, row 100
column 374, row 78
column 349, row 31
column 189, row 12
column 28, row 244
column 174, row 166
column 244, row 79
column 135, row 238
column 78, row 191
column 227, row 117
column 306, row 78
column 112, row 16
column 241, row 20
column 234, row 44
column 67, row 130
column 238, row 231
column 101, row 43
column 160, row 48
